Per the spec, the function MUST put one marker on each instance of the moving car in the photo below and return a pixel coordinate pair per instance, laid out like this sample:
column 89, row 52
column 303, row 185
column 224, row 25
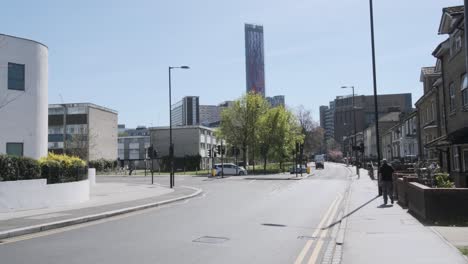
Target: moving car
column 229, row 169
column 319, row 161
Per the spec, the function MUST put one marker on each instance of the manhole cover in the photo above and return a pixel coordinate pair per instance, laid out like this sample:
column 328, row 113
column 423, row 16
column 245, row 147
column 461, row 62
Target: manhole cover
column 211, row 240
column 270, row 224
column 306, row 237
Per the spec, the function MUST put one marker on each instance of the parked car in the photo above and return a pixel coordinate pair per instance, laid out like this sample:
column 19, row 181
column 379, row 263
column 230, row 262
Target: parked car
column 319, row 161
column 229, row 169
column 299, row 169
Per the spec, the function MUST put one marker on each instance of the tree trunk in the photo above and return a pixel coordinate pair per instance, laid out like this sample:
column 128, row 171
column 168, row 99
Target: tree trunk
column 244, row 155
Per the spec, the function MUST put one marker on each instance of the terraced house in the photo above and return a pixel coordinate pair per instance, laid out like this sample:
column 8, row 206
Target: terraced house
column 448, row 116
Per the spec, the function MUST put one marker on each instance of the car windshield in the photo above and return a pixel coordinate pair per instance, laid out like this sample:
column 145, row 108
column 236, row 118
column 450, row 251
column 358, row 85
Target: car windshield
column 247, row 131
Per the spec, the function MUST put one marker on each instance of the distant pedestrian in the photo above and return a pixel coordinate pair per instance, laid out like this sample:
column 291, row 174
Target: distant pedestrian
column 386, row 172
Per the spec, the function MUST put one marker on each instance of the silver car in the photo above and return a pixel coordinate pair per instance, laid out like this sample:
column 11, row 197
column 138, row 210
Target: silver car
column 230, row 169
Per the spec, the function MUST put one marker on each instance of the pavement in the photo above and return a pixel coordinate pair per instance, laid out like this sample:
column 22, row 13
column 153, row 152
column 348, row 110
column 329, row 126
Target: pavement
column 374, row 233
column 106, row 200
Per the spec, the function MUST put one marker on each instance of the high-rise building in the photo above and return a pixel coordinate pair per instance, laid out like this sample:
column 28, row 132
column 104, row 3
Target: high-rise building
column 209, row 114
column 327, row 114
column 277, row 100
column 186, row 112
column 254, row 59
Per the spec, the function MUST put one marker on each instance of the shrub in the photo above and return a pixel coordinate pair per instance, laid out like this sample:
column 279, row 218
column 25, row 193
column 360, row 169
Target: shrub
column 59, row 168
column 103, row 165
column 442, row 180
column 13, row 168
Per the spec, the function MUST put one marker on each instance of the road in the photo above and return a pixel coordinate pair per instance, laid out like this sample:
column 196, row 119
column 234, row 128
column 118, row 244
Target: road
column 237, row 220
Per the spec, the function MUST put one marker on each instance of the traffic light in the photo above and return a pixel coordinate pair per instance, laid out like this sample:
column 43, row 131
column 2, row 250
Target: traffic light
column 218, row 149
column 362, row 147
column 223, row 150
column 152, row 152
column 297, row 147
column 209, row 153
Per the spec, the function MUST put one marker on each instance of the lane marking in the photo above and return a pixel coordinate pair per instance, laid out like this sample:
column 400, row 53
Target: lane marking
column 308, row 244
column 318, row 247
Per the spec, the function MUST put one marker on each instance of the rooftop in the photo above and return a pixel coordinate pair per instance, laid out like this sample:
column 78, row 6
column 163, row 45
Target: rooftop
column 83, row 104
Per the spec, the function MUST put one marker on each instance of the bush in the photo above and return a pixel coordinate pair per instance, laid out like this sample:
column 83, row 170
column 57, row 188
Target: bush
column 442, row 180
column 188, row 162
column 103, row 165
column 59, row 168
column 13, row 168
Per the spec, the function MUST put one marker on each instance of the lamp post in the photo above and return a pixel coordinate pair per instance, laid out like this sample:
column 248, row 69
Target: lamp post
column 355, row 130
column 374, row 77
column 171, row 145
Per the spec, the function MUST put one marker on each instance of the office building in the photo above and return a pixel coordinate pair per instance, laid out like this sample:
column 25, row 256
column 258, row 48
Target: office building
column 275, row 101
column 365, row 111
column 23, row 97
column 186, row 112
column 188, row 141
column 83, row 129
column 327, row 117
column 209, row 114
column 254, row 59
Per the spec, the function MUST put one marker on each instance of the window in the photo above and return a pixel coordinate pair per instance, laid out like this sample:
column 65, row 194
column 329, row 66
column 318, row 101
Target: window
column 464, row 90
column 15, row 149
column 465, row 160
column 432, row 111
column 15, row 76
column 455, row 155
column 452, row 97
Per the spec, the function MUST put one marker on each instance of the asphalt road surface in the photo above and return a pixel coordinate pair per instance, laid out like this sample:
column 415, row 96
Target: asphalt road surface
column 237, row 220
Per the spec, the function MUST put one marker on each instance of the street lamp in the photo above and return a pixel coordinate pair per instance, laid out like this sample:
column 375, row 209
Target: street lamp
column 171, row 145
column 355, row 131
column 374, row 77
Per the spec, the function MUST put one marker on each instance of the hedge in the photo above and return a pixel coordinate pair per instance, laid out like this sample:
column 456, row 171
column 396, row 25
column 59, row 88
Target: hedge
column 58, row 168
column 55, row 168
column 188, row 162
column 13, row 168
column 103, row 165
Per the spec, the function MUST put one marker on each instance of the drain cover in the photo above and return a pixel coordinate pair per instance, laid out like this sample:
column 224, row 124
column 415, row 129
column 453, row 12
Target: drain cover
column 270, row 224
column 211, row 240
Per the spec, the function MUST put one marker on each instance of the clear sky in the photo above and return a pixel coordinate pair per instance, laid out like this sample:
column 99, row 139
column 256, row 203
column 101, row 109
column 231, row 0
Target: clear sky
column 116, row 53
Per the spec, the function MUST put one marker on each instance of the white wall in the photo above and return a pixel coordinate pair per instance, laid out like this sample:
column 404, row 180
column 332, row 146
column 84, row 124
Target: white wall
column 24, row 120
column 34, row 194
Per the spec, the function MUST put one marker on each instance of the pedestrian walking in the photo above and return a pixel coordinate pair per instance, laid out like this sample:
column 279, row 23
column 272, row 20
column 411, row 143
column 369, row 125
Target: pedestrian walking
column 386, row 173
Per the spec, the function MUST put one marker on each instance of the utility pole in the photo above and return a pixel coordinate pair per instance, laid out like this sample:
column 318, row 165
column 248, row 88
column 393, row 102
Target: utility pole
column 374, row 75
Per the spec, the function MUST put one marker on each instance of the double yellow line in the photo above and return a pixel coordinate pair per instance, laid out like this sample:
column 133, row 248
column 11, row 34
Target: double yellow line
column 319, row 234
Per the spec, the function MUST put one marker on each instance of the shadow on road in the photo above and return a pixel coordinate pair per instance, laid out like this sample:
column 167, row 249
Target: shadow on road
column 350, row 213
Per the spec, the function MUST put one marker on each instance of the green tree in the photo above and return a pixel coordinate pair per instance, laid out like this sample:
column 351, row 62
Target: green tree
column 279, row 130
column 240, row 123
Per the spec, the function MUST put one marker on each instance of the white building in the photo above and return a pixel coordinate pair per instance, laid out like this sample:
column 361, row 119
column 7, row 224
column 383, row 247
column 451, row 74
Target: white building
column 90, row 130
column 23, row 97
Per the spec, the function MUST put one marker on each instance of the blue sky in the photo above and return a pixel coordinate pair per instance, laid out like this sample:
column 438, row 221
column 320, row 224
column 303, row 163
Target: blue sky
column 116, row 53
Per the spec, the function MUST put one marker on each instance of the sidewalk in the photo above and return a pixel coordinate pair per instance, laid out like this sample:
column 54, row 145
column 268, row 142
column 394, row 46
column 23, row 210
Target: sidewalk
column 107, row 200
column 377, row 234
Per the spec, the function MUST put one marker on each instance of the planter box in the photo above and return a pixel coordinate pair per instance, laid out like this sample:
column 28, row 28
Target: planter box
column 402, row 189
column 443, row 205
column 34, row 194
